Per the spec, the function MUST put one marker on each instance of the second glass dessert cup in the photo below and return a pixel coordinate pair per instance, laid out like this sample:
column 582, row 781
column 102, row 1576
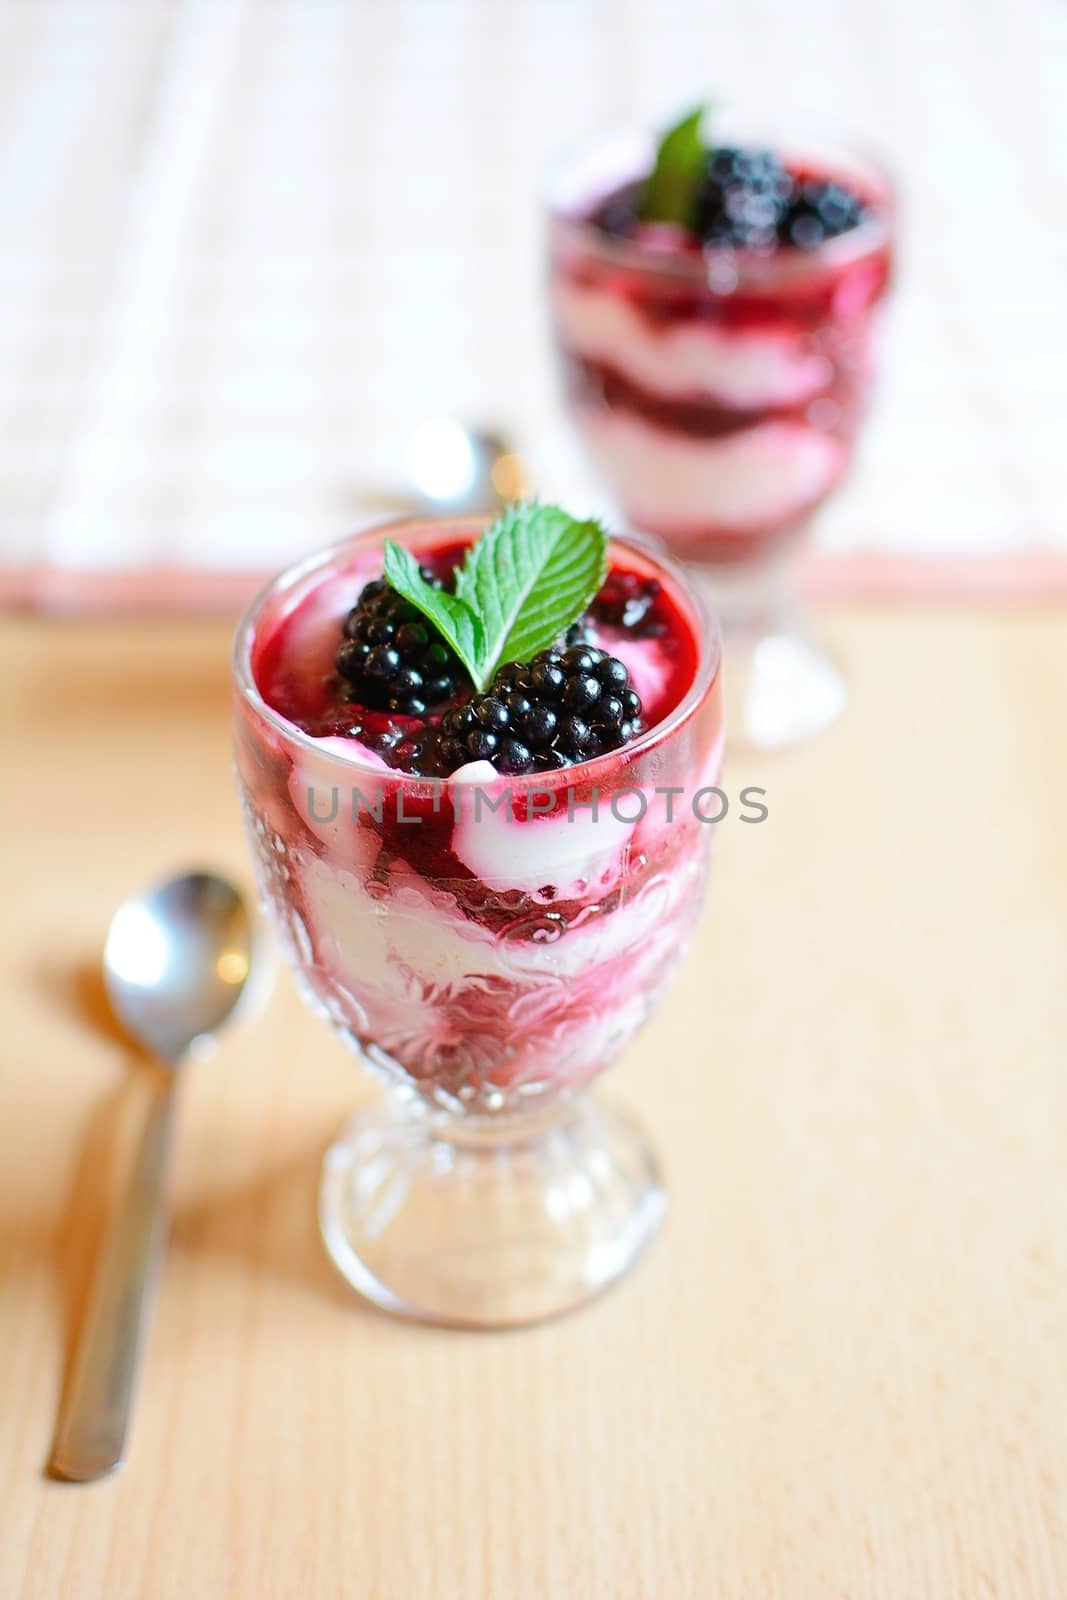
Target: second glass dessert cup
column 487, row 947
column 719, row 392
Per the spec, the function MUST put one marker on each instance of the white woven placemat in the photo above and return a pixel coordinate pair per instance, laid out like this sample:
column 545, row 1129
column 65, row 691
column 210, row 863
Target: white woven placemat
column 249, row 244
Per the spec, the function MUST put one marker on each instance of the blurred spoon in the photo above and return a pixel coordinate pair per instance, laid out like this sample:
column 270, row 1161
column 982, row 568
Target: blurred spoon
column 451, row 469
column 177, row 963
column 455, row 469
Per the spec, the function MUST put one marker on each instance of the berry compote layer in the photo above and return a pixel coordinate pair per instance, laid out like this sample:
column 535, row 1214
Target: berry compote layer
column 488, row 934
column 718, row 375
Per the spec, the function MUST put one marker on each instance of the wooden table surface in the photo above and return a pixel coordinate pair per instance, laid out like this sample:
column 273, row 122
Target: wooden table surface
column 840, row 1372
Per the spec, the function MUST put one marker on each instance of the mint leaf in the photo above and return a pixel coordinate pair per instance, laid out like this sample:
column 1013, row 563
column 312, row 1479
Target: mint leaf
column 528, row 577
column 449, row 614
column 670, row 191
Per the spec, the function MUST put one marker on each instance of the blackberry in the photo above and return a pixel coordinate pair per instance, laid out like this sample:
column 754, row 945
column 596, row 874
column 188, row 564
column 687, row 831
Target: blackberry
column 628, row 601
column 819, row 211
column 742, row 198
column 563, row 707
column 390, row 659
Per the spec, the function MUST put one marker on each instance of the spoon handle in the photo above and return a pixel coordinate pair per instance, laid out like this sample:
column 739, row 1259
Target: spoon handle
column 92, row 1430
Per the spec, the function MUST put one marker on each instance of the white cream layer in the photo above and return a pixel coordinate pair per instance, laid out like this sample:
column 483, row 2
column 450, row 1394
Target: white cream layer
column 755, row 478
column 385, row 938
column 690, row 359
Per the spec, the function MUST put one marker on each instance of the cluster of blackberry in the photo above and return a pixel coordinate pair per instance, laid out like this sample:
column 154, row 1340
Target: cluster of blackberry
column 390, row 660
column 747, row 199
column 567, row 705
column 562, row 707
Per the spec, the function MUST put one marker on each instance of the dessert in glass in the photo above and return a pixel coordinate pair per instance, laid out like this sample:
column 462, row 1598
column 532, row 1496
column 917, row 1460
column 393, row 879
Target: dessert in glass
column 716, row 308
column 482, row 886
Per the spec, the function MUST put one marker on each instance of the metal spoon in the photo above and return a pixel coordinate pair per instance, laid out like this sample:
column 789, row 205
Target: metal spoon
column 177, row 963
column 455, row 469
column 450, row 469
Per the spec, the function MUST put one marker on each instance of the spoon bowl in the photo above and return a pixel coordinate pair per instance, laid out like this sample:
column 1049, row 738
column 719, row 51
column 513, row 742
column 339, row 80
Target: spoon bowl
column 177, row 963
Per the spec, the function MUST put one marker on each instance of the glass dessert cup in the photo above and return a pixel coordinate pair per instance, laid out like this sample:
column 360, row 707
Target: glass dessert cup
column 487, row 948
column 719, row 394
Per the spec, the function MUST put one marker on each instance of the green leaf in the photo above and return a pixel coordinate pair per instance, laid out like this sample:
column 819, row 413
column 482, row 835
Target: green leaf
column 521, row 584
column 450, row 615
column 670, row 191
column 528, row 577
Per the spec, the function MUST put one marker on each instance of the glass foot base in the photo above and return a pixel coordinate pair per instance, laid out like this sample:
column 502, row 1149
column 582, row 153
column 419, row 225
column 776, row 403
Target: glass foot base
column 780, row 687
column 780, row 690
column 488, row 1222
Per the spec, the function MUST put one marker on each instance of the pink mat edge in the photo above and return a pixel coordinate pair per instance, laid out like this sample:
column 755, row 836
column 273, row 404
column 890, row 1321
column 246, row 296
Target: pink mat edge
column 1034, row 577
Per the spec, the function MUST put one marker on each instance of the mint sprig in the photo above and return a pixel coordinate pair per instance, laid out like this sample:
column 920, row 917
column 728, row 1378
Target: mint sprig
column 530, row 575
column 527, row 578
column 670, row 191
column 453, row 618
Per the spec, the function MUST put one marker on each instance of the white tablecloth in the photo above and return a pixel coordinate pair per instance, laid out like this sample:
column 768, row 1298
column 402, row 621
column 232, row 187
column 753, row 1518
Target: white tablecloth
column 249, row 244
